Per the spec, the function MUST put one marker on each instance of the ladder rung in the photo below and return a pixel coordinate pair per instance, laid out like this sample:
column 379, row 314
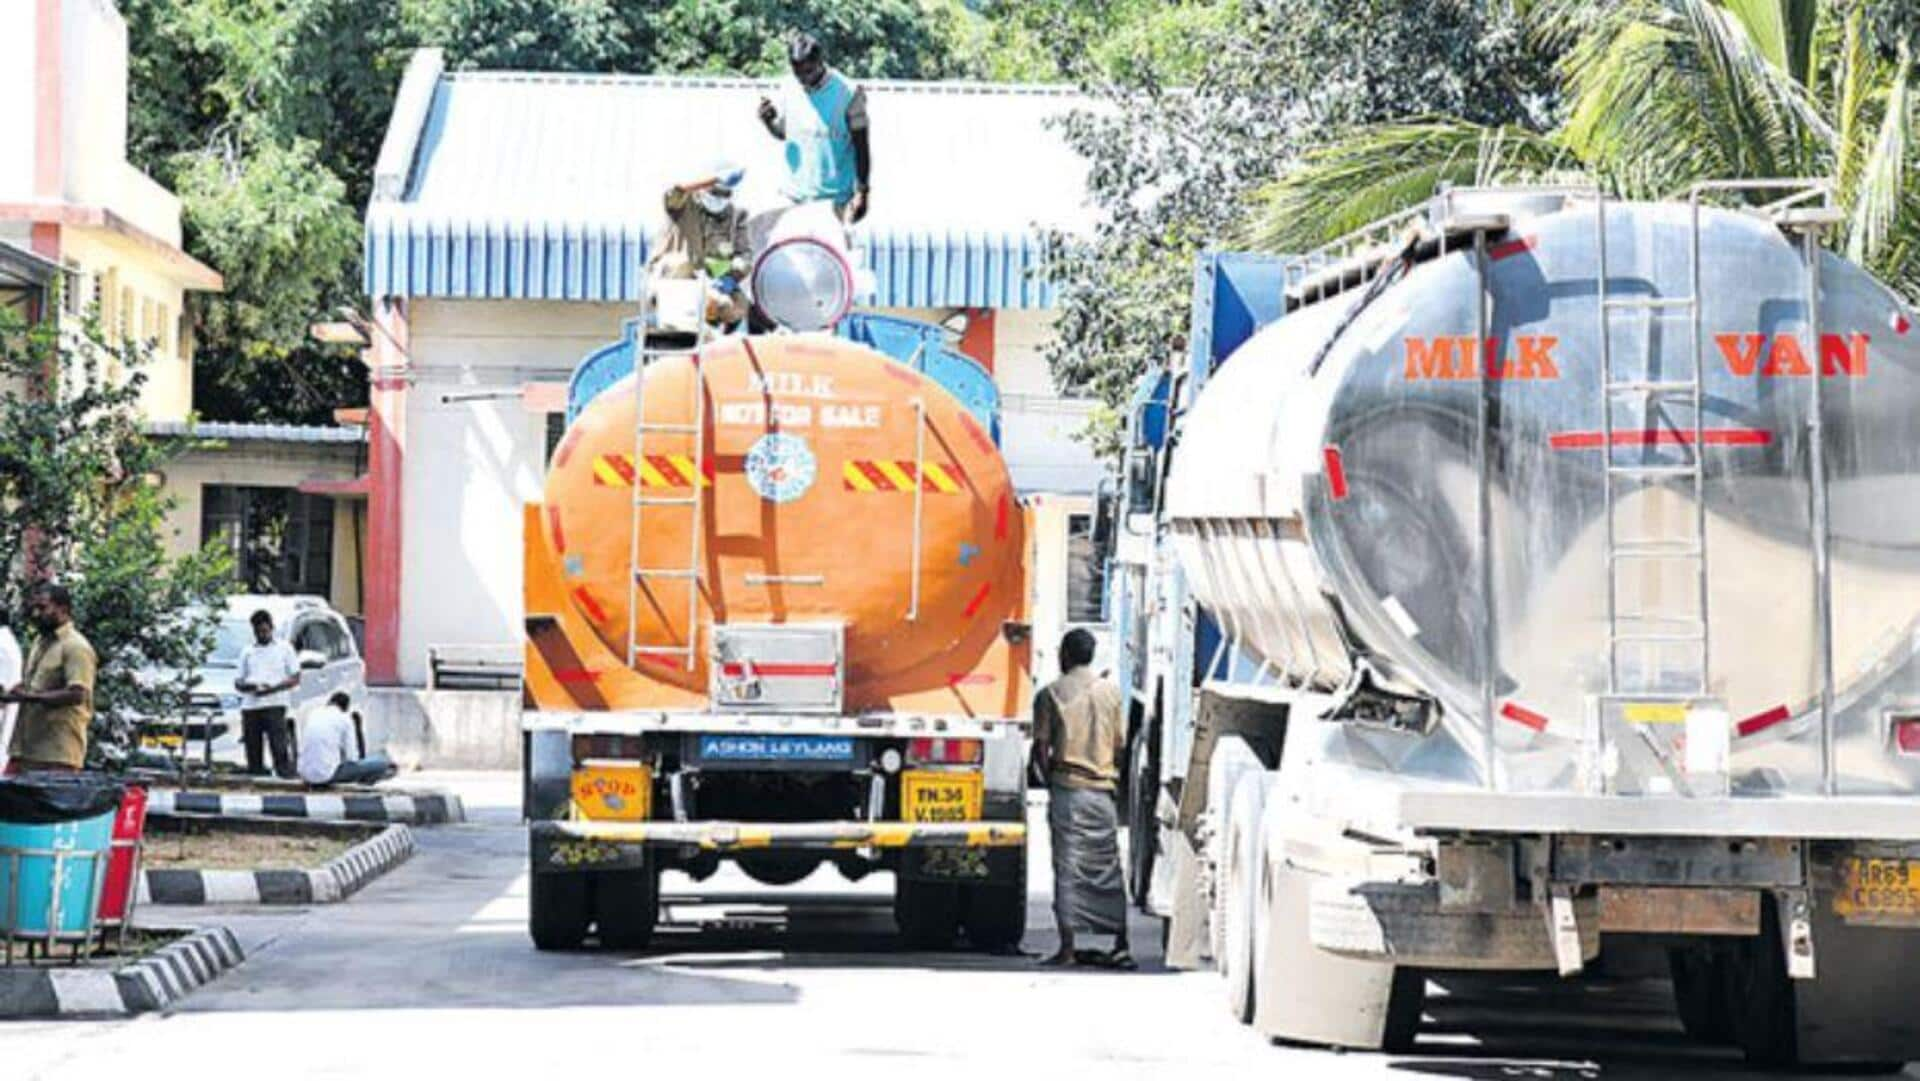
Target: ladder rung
column 1650, row 636
column 1648, row 303
column 1654, row 470
column 668, row 354
column 1648, row 386
column 682, row 429
column 1659, row 550
column 657, row 572
column 665, row 501
column 679, row 650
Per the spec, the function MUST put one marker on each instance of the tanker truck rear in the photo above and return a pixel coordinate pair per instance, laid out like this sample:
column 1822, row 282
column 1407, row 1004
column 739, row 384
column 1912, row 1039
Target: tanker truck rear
column 776, row 595
column 1527, row 576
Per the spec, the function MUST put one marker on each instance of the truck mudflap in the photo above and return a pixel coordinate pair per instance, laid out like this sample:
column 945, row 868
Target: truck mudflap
column 600, row 844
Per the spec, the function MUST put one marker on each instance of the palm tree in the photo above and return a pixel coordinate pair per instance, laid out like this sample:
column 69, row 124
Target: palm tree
column 1656, row 95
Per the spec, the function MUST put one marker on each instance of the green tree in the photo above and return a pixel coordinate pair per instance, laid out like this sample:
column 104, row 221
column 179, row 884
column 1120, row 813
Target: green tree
column 78, row 479
column 266, row 117
column 1662, row 94
column 1183, row 136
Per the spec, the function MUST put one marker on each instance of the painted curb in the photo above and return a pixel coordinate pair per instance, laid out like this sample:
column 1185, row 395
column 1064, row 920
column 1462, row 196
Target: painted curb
column 154, row 982
column 335, row 880
column 425, row 809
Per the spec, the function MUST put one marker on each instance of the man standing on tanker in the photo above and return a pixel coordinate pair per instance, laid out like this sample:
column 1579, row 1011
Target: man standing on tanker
column 822, row 117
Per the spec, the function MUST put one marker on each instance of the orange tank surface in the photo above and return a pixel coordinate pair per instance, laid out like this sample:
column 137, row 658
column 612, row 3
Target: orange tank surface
column 812, row 454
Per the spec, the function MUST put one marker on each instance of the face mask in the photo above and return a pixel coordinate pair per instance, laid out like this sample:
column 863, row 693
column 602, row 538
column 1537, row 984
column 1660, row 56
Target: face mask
column 713, row 203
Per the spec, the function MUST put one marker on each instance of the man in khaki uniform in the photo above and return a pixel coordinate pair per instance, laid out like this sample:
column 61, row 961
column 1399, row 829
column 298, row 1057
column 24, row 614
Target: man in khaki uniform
column 56, row 697
column 1079, row 739
column 707, row 232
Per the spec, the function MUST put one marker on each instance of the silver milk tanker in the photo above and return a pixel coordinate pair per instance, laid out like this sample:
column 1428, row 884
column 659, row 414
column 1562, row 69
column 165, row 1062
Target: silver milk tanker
column 1560, row 530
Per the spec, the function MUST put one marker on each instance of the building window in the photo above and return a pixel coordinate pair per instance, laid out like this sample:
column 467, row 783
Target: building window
column 1086, row 572
column 109, row 300
column 281, row 540
column 126, row 313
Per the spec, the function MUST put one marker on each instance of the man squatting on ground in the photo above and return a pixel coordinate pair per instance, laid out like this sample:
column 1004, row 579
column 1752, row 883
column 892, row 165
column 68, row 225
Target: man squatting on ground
column 1079, row 738
column 330, row 751
column 269, row 668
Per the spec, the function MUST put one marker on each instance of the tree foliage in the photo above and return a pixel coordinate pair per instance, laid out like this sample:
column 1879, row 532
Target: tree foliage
column 79, row 481
column 1662, row 94
column 266, row 117
column 1182, row 136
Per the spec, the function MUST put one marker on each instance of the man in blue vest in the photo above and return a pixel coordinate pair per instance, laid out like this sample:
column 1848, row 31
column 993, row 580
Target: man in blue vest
column 822, row 117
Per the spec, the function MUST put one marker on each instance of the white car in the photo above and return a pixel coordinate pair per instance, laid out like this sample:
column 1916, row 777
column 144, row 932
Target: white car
column 329, row 661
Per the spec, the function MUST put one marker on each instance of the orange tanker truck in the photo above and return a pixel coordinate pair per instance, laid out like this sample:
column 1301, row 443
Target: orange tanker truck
column 776, row 595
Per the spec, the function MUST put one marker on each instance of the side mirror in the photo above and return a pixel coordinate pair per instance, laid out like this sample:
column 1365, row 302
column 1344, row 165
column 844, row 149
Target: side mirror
column 312, row 658
column 1140, row 483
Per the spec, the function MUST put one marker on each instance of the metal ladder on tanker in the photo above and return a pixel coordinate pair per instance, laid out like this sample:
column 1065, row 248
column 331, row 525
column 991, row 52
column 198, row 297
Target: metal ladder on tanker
column 1687, row 547
column 692, row 504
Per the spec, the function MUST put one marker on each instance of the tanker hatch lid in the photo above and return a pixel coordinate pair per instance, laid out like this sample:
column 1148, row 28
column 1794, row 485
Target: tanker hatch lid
column 778, row 667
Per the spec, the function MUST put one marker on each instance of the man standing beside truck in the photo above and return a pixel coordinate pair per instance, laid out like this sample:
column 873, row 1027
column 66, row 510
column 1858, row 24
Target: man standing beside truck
column 822, row 117
column 1079, row 737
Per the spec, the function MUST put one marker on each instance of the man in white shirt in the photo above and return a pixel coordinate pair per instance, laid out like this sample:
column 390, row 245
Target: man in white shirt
column 269, row 668
column 10, row 674
column 329, row 753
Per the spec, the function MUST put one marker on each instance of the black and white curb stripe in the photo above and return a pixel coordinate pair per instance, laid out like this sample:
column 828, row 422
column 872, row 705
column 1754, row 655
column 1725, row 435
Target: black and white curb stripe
column 336, row 880
column 420, row 810
column 154, row 982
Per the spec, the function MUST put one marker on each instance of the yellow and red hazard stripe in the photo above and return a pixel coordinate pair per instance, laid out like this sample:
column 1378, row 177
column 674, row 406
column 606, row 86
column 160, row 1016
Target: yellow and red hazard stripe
column 656, row 471
column 890, row 475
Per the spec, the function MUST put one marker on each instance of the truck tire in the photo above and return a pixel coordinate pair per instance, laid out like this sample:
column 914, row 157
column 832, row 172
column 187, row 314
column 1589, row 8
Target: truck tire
column 927, row 913
column 1143, row 792
column 557, row 910
column 626, row 905
column 995, row 914
column 1240, row 894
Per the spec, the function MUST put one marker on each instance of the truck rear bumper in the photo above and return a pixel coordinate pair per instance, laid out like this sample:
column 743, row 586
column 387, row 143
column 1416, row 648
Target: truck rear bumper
column 737, row 836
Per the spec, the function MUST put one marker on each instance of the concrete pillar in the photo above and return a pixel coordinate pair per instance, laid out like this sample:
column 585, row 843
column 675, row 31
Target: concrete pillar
column 388, row 378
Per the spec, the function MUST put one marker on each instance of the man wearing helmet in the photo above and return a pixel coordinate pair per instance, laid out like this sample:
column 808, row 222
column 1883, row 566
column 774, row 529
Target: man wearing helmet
column 707, row 232
column 822, row 117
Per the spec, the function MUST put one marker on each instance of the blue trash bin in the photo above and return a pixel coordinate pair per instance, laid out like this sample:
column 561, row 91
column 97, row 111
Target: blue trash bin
column 56, row 832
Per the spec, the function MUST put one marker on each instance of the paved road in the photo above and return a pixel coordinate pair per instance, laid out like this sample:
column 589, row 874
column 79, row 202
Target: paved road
column 429, row 970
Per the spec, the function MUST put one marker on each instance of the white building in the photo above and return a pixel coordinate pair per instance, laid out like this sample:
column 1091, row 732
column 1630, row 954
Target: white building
column 505, row 242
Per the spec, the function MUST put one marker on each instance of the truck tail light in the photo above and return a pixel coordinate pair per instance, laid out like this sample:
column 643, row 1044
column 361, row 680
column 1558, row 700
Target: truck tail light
column 943, row 752
column 1906, row 734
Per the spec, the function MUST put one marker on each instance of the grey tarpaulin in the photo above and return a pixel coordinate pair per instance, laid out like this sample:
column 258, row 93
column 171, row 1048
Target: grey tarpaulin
column 1089, row 893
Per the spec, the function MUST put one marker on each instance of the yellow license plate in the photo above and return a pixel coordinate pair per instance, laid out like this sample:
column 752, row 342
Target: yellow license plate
column 162, row 739
column 1878, row 888
column 926, row 796
column 615, row 791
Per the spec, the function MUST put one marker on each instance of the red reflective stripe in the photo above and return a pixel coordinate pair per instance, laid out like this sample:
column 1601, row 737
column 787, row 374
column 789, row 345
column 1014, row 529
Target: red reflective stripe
column 980, row 598
column 1524, row 716
column 622, row 465
column 575, row 675
column 587, row 604
column 963, row 679
column 565, row 450
column 667, row 468
column 1000, row 519
column 1760, row 722
column 781, row 668
column 1513, row 247
column 1336, row 473
column 559, row 535
column 1647, row 437
column 902, row 373
column 978, row 434
column 873, row 475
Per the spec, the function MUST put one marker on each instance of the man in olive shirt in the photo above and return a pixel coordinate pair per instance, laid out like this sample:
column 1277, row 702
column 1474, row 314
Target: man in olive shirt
column 1079, row 738
column 56, row 697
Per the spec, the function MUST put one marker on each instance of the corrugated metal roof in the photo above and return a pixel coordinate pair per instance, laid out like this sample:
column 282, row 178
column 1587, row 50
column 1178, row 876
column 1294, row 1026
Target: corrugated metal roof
column 256, row 433
column 546, row 186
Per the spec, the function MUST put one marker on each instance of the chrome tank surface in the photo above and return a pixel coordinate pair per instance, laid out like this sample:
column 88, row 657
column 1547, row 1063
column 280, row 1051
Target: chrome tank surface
column 1330, row 518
